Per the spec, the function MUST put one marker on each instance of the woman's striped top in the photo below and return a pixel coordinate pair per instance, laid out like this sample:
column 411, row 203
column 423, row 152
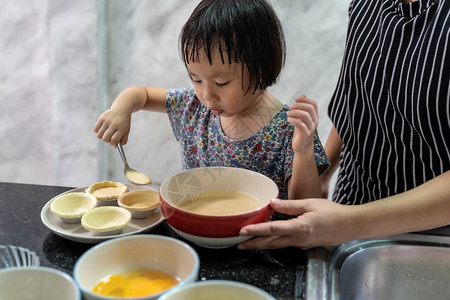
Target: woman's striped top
column 391, row 106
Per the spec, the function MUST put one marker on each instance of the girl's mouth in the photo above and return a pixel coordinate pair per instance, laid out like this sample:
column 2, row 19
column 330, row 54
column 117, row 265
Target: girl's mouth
column 216, row 112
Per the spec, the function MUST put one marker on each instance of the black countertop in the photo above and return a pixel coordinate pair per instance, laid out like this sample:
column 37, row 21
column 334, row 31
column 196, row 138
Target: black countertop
column 279, row 272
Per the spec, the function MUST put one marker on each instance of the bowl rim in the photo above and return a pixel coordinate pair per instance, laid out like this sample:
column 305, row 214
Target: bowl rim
column 192, row 277
column 216, row 217
column 58, row 272
column 214, row 282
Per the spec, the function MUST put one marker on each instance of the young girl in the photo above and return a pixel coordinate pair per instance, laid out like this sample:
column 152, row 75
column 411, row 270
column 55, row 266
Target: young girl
column 233, row 51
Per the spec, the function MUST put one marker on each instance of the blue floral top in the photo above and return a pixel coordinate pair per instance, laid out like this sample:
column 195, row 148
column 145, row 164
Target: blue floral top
column 204, row 144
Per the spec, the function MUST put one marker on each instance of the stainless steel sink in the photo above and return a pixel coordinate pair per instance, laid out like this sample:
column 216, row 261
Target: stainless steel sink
column 408, row 266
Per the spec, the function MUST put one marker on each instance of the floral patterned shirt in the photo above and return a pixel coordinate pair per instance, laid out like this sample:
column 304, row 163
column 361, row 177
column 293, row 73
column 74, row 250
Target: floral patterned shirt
column 204, row 144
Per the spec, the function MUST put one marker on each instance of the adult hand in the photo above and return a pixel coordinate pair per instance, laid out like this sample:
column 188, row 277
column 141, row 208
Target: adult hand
column 319, row 222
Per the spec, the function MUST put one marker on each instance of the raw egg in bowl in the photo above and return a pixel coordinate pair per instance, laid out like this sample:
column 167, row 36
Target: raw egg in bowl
column 208, row 206
column 139, row 267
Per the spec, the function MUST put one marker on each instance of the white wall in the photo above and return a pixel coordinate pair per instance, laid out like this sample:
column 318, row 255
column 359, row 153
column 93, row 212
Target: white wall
column 63, row 63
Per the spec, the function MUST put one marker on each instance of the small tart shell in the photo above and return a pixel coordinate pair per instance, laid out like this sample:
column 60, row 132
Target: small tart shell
column 139, row 200
column 141, row 203
column 105, row 219
column 107, row 190
column 71, row 206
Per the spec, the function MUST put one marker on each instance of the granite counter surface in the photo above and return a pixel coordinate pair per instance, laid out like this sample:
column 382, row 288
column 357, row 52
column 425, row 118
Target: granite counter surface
column 279, row 272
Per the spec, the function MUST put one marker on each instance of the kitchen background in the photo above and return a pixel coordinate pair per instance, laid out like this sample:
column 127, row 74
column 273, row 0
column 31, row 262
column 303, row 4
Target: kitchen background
column 63, row 62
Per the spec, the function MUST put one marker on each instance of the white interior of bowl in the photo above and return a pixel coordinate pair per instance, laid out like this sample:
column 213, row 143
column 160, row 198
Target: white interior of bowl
column 187, row 184
column 217, row 290
column 135, row 252
column 37, row 283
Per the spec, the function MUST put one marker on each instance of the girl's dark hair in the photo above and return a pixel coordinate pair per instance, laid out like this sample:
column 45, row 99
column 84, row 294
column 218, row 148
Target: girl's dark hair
column 249, row 31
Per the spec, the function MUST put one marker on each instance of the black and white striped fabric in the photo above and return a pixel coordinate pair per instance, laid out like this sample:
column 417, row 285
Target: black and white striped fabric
column 391, row 107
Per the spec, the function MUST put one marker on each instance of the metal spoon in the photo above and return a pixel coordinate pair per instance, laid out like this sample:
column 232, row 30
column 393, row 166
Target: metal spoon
column 132, row 175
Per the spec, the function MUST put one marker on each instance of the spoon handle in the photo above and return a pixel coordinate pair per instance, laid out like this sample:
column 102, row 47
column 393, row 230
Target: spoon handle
column 122, row 153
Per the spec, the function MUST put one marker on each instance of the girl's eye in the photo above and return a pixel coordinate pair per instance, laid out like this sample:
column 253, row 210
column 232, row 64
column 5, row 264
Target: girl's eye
column 221, row 84
column 194, row 80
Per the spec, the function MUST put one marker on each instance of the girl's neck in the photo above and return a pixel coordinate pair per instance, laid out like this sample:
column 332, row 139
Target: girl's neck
column 252, row 120
column 408, row 1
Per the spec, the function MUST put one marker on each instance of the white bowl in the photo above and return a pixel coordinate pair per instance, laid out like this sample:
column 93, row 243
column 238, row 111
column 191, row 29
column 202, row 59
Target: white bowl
column 152, row 252
column 140, row 203
column 217, row 290
column 106, row 220
column 210, row 242
column 13, row 256
column 37, row 283
column 70, row 207
column 107, row 192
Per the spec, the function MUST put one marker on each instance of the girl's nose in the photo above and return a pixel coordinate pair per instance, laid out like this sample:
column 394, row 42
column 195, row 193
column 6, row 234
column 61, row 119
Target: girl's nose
column 209, row 94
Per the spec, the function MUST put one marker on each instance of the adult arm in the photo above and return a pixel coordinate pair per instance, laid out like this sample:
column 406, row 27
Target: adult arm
column 114, row 124
column 321, row 222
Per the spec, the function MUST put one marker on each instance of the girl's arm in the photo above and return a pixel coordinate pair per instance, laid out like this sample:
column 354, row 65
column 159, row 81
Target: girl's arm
column 114, row 124
column 304, row 181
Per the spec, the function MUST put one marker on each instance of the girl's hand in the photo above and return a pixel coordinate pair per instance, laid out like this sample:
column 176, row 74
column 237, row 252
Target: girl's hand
column 113, row 125
column 304, row 117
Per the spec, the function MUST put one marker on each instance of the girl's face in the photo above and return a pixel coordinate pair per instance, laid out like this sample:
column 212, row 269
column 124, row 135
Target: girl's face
column 220, row 86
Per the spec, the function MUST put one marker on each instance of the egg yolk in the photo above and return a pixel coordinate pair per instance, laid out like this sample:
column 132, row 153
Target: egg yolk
column 135, row 283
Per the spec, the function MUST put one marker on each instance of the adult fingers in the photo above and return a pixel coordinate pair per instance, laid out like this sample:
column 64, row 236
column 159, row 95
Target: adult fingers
column 273, row 228
column 271, row 242
column 296, row 235
column 289, row 207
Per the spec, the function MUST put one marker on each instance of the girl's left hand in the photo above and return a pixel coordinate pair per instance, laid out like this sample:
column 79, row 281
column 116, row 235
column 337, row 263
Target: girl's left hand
column 304, row 116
